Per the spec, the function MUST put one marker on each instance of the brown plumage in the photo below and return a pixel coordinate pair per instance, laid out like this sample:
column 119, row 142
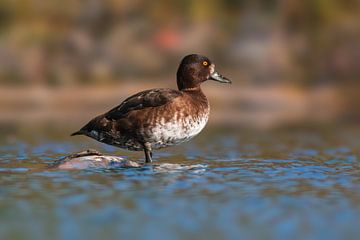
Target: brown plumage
column 159, row 118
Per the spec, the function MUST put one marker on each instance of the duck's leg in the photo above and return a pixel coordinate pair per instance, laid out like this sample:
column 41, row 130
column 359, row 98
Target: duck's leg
column 148, row 153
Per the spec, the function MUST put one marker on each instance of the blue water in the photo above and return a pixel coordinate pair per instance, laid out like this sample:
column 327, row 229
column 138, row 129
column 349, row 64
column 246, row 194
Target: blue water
column 289, row 184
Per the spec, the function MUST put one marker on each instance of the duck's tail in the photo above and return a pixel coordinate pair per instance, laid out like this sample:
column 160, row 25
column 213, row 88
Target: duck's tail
column 80, row 132
column 93, row 128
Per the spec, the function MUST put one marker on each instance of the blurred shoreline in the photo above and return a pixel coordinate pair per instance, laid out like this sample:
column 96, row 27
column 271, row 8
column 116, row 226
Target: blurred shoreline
column 239, row 105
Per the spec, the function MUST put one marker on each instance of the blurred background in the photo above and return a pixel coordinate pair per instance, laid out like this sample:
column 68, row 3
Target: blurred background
column 292, row 62
column 279, row 158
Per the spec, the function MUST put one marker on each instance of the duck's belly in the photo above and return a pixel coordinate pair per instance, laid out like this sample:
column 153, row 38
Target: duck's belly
column 175, row 131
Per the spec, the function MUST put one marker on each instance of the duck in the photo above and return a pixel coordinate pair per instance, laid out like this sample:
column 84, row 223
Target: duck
column 160, row 117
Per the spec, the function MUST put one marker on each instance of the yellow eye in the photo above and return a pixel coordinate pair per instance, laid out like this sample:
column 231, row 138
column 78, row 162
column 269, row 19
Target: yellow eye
column 205, row 63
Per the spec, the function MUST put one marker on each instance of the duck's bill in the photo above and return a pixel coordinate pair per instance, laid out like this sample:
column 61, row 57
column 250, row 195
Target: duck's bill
column 219, row 78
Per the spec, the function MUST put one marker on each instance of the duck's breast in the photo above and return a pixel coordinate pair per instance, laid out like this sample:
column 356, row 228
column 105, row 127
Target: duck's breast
column 177, row 126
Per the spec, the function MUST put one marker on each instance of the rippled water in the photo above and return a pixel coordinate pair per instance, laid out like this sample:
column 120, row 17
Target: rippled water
column 251, row 185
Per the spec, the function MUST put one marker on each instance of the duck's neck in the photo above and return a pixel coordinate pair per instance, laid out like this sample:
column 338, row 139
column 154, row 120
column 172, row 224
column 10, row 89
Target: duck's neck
column 196, row 94
column 191, row 89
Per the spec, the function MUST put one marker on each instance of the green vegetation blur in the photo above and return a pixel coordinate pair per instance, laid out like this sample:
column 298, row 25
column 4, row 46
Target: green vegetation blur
column 291, row 61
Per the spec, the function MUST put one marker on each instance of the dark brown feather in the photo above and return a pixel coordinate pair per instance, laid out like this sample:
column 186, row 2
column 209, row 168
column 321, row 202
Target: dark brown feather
column 142, row 100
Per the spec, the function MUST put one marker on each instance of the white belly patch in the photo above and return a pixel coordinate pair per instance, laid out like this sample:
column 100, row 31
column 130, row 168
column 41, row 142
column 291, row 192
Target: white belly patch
column 177, row 131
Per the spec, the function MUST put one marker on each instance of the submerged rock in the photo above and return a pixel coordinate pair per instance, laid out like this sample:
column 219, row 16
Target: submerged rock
column 174, row 167
column 91, row 159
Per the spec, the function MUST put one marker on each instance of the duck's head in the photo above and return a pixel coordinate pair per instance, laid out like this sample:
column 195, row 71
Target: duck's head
column 195, row 69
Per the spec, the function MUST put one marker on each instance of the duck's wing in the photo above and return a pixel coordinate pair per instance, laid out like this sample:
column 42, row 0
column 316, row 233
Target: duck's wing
column 142, row 100
column 104, row 123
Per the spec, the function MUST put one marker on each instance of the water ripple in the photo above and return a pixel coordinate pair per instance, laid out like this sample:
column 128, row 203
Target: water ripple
column 250, row 187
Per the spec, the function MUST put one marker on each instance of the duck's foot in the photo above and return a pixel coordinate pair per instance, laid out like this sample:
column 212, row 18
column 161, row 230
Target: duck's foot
column 148, row 153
